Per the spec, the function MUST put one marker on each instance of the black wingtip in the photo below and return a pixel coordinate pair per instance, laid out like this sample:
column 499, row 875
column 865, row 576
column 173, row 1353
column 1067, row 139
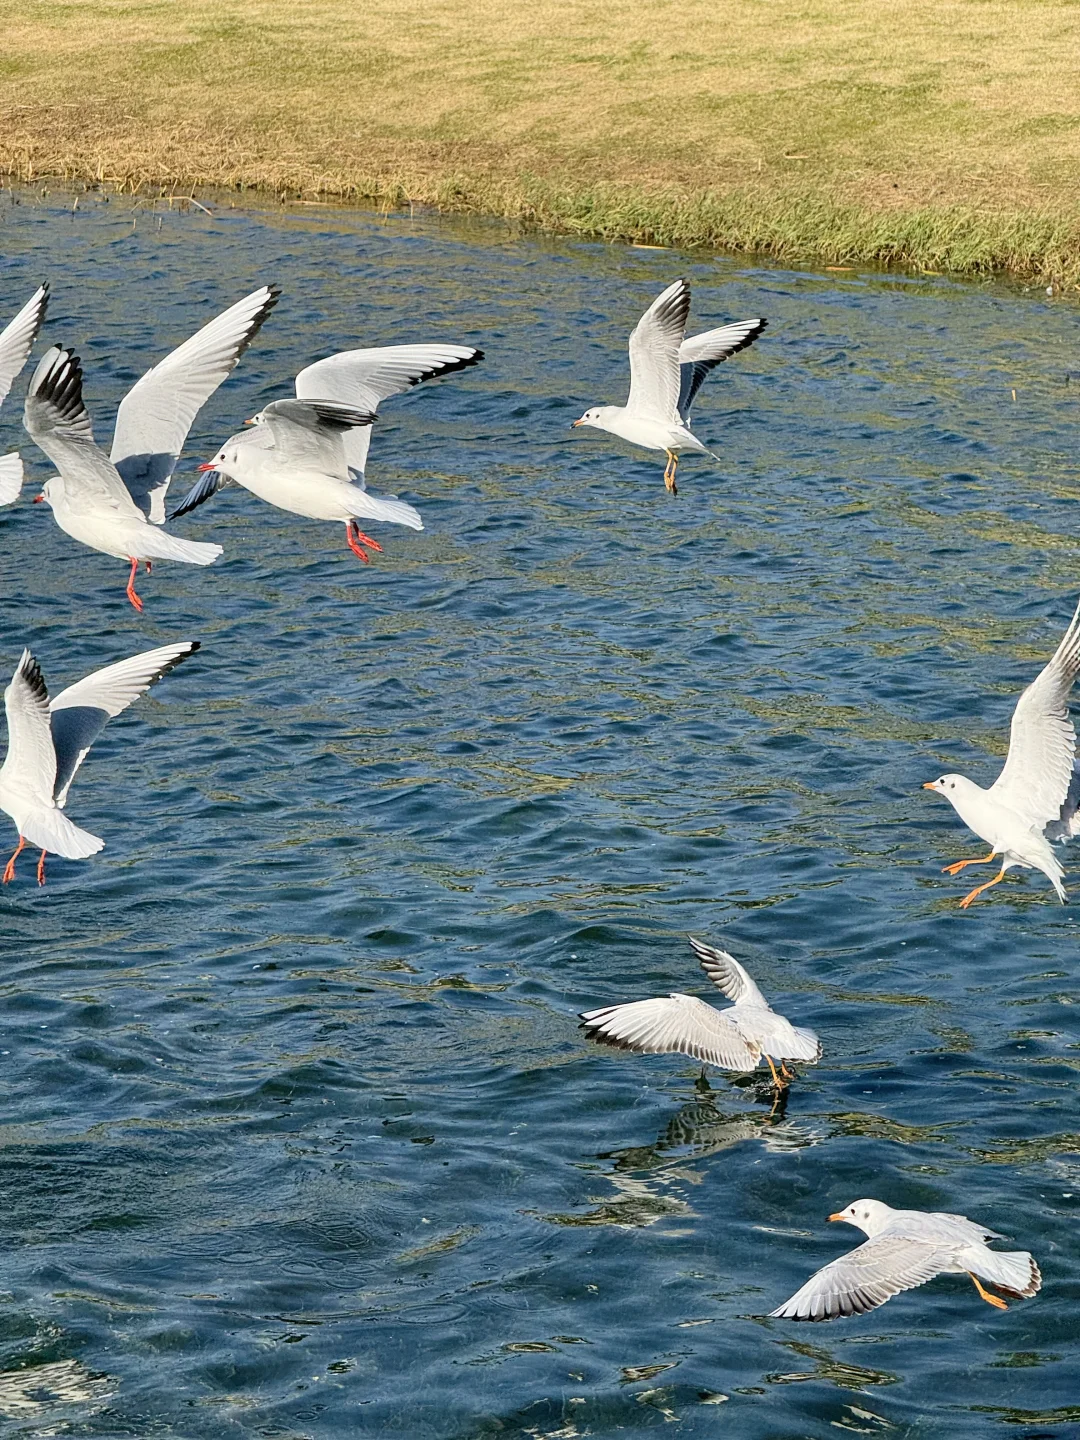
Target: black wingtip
column 30, row 670
column 448, row 367
column 170, row 665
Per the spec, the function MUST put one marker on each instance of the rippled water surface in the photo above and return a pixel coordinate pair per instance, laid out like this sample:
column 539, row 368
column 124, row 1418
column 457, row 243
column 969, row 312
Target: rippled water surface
column 300, row 1136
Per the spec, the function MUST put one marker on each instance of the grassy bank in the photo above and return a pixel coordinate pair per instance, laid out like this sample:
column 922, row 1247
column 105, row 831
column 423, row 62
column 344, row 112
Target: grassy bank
column 942, row 135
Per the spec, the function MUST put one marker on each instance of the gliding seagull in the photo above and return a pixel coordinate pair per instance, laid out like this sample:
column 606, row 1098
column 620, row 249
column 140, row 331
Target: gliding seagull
column 49, row 739
column 907, row 1248
column 308, row 455
column 1034, row 799
column 666, row 373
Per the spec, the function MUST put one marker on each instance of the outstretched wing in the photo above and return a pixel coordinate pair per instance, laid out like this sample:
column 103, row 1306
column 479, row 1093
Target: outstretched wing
column 362, row 378
column 727, row 974
column 11, row 478
column 56, row 420
column 654, row 355
column 673, row 1024
column 30, row 761
column 17, row 339
column 1042, row 745
column 700, row 354
column 157, row 412
column 78, row 714
column 865, row 1278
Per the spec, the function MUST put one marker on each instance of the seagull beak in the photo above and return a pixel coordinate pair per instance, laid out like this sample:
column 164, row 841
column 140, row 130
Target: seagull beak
column 930, row 785
column 837, row 1216
column 210, row 465
column 38, row 499
column 251, row 421
column 576, row 423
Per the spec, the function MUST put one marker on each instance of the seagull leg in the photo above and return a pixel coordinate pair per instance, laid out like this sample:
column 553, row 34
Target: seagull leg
column 149, row 568
column 131, row 586
column 960, row 864
column 787, row 1074
column 966, row 901
column 9, row 868
column 778, row 1084
column 669, row 472
column 990, row 1299
column 354, row 540
column 41, row 869
column 367, row 540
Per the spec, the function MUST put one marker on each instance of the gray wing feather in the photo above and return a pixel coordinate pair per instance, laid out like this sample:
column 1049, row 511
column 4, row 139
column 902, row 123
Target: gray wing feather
column 865, row 1278
column 673, row 1024
column 655, row 378
column 699, row 355
column 79, row 714
column 727, row 974
column 156, row 414
column 17, row 338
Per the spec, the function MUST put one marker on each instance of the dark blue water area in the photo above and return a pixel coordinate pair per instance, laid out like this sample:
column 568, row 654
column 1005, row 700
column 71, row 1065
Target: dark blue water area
column 299, row 1135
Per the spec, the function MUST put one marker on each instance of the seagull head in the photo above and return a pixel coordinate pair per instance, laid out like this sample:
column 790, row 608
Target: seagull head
column 869, row 1216
column 227, row 461
column 51, row 491
column 594, row 417
column 946, row 784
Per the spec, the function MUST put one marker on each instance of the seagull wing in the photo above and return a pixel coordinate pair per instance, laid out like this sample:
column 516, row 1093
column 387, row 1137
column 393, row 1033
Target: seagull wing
column 1037, row 773
column 11, row 478
column 655, row 379
column 56, row 420
column 78, row 714
column 865, row 1278
column 673, row 1024
column 31, row 760
column 727, row 974
column 157, row 412
column 17, row 339
column 362, row 378
column 700, row 354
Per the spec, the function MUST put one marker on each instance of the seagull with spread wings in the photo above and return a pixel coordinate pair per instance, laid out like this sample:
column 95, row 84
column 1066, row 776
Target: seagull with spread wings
column 308, row 456
column 1035, row 798
column 907, row 1248
column 667, row 370
column 733, row 1039
column 16, row 342
column 49, row 739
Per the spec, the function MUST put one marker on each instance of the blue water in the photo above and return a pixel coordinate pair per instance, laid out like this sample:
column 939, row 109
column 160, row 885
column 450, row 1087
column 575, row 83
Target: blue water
column 300, row 1136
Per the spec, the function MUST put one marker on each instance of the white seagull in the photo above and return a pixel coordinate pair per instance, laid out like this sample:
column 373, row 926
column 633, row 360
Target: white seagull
column 89, row 500
column 49, row 739
column 731, row 1039
column 666, row 373
column 16, row 342
column 308, row 455
column 105, row 503
column 1034, row 799
column 907, row 1248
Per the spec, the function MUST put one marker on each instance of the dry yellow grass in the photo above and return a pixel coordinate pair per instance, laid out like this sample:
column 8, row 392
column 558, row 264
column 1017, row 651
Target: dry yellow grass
column 943, row 134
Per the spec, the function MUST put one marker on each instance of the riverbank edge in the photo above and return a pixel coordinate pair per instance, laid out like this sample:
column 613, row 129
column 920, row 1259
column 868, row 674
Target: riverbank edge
column 792, row 225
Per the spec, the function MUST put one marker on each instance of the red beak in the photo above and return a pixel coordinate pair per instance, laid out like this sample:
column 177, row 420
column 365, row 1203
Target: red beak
column 38, row 499
column 208, row 466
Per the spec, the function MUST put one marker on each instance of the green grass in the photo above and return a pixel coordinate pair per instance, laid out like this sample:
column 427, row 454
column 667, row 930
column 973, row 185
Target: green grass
column 943, row 136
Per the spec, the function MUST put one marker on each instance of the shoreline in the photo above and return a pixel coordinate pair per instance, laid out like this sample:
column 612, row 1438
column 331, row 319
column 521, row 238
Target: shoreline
column 1032, row 246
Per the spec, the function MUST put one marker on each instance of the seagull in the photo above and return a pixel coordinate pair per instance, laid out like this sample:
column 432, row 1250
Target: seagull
column 666, row 373
column 732, row 1039
column 89, row 500
column 16, row 342
column 49, row 739
column 308, row 455
column 907, row 1248
column 1034, row 799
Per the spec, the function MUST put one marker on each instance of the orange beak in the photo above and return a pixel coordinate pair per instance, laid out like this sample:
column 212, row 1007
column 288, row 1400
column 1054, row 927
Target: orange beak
column 929, row 785
column 576, row 423
column 208, row 466
column 252, row 421
column 837, row 1216
column 38, row 499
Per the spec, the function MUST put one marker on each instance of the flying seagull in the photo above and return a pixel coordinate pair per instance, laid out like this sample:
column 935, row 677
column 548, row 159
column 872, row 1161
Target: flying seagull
column 1035, row 798
column 16, row 342
column 732, row 1039
column 666, row 373
column 49, row 739
column 907, row 1248
column 308, row 455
